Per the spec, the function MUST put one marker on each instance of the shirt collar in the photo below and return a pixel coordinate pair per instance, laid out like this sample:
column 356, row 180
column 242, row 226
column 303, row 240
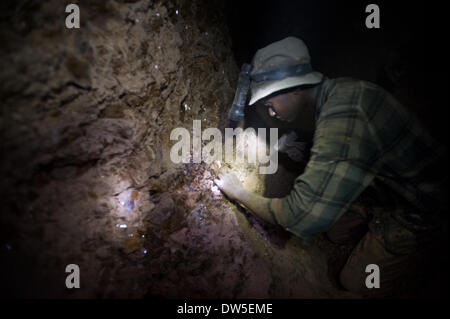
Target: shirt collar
column 320, row 97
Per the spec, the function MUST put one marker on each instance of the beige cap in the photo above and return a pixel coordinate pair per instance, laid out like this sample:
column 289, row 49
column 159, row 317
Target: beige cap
column 284, row 53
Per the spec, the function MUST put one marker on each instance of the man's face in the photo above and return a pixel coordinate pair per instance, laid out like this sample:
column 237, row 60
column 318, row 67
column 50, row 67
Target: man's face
column 286, row 106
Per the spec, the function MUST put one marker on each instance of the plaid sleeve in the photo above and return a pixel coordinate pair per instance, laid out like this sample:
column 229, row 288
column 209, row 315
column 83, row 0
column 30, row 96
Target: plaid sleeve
column 342, row 165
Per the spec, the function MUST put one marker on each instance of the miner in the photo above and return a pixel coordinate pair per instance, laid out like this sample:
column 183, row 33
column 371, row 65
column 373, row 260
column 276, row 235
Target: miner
column 372, row 181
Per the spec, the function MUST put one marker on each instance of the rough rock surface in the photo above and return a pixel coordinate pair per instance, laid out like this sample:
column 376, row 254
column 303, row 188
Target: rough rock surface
column 86, row 176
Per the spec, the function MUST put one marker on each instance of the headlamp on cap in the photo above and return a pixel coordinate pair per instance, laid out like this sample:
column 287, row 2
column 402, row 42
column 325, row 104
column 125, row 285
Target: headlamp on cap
column 246, row 76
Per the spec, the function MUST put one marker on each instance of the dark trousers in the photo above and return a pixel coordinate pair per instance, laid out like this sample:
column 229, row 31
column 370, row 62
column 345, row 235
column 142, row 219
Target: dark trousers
column 377, row 239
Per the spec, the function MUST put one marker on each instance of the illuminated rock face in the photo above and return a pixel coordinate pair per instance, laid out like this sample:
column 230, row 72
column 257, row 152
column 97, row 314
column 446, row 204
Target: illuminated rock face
column 86, row 174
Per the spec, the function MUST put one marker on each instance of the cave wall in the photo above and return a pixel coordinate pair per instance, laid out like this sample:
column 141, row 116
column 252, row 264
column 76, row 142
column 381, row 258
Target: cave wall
column 85, row 120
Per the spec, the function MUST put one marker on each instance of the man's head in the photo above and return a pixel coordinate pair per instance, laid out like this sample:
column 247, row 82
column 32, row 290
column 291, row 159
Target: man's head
column 282, row 79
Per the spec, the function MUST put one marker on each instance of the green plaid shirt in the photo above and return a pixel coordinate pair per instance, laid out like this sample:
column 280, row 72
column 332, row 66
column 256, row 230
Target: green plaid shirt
column 362, row 133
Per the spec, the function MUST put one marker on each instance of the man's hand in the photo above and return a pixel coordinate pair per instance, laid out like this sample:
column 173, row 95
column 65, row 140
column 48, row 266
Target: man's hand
column 230, row 185
column 295, row 150
column 233, row 188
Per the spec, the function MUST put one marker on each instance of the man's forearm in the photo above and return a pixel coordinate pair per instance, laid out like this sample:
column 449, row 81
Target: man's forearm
column 257, row 204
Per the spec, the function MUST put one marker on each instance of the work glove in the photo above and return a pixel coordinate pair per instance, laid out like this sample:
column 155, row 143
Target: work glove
column 295, row 150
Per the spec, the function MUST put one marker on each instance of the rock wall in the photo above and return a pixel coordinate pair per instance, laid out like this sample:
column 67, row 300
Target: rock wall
column 86, row 176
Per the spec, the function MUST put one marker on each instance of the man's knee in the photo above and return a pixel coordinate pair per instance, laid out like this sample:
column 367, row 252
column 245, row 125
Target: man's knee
column 352, row 282
column 353, row 276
